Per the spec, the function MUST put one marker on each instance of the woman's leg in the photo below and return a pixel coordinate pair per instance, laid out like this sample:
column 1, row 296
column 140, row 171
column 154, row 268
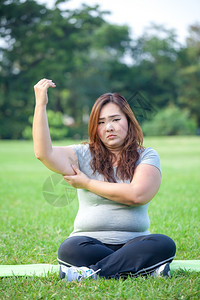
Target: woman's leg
column 82, row 251
column 141, row 255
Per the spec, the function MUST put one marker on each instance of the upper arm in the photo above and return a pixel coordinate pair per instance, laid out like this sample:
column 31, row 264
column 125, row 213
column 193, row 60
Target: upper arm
column 146, row 182
column 61, row 159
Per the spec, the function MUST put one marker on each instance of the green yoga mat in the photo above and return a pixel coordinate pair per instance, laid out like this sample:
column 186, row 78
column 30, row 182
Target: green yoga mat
column 45, row 269
column 28, row 270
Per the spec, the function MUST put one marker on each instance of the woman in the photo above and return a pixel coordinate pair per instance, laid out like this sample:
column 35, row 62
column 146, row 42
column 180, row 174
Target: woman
column 116, row 178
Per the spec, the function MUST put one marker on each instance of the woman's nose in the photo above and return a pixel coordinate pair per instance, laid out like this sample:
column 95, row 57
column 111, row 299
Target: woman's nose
column 109, row 127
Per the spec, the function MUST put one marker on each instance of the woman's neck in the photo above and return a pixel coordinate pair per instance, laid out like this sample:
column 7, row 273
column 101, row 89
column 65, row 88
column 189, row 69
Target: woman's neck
column 116, row 158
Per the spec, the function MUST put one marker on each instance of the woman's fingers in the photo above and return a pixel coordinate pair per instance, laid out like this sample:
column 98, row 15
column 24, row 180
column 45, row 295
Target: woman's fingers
column 45, row 83
column 41, row 90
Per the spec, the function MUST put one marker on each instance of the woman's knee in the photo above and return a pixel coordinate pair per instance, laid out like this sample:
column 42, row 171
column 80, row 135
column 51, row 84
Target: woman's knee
column 167, row 245
column 69, row 250
column 78, row 251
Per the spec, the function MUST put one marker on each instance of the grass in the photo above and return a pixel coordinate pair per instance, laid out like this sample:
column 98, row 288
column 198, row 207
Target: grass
column 31, row 229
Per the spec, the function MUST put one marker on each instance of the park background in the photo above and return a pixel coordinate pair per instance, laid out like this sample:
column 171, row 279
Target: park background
column 87, row 55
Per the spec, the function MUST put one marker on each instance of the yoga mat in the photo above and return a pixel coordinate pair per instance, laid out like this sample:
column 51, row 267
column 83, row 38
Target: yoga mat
column 188, row 265
column 45, row 269
column 28, row 270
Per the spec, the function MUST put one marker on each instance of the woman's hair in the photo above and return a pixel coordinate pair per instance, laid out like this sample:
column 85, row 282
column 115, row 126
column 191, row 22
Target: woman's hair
column 102, row 158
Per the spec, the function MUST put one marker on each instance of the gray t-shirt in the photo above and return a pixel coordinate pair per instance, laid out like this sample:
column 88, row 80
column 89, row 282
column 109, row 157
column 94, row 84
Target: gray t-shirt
column 109, row 221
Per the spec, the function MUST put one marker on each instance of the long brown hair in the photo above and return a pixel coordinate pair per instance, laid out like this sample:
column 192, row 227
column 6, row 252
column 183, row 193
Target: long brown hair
column 102, row 158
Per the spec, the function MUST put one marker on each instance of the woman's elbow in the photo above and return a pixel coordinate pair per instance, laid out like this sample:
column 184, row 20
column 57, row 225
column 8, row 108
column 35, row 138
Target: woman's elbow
column 137, row 198
column 141, row 196
column 144, row 198
column 42, row 156
column 39, row 156
column 141, row 200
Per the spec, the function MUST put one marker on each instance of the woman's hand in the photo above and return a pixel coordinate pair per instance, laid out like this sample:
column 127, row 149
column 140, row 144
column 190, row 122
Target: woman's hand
column 79, row 180
column 41, row 91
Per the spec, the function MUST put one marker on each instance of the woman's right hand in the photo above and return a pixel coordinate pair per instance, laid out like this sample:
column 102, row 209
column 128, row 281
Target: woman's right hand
column 41, row 91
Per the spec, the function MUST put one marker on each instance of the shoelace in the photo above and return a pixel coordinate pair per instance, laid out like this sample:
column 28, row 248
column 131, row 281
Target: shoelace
column 92, row 273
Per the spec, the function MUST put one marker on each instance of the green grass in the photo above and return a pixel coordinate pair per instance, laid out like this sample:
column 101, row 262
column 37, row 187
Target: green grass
column 31, row 229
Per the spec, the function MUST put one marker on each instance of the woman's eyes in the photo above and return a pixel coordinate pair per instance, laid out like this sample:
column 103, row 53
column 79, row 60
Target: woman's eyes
column 114, row 120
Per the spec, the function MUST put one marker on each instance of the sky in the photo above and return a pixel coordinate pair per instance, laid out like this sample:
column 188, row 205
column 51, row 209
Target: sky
column 138, row 14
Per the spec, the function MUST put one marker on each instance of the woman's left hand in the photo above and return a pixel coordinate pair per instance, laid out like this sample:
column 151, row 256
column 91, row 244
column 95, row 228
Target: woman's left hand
column 79, row 180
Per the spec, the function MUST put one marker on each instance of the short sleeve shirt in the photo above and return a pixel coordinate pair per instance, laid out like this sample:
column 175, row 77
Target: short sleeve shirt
column 106, row 220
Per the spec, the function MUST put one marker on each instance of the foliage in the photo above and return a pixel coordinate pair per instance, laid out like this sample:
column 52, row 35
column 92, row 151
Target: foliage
column 32, row 229
column 86, row 56
column 190, row 73
column 58, row 130
column 170, row 121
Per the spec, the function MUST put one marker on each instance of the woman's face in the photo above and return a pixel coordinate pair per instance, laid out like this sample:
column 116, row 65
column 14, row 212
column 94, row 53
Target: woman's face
column 112, row 127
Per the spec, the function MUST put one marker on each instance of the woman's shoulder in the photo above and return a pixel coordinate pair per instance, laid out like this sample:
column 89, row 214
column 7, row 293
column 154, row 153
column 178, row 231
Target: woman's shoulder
column 81, row 147
column 149, row 156
column 81, row 150
column 148, row 152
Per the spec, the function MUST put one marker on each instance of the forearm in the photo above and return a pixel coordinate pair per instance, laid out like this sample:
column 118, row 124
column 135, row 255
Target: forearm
column 143, row 187
column 118, row 192
column 41, row 134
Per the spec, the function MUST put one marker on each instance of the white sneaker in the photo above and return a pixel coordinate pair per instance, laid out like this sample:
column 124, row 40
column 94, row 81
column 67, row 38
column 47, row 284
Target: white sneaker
column 75, row 273
column 163, row 270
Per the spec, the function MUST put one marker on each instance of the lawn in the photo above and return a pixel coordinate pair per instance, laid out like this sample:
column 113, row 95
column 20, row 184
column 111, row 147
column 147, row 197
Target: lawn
column 31, row 229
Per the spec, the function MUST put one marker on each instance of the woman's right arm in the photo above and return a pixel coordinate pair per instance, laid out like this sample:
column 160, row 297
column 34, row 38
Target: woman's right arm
column 57, row 159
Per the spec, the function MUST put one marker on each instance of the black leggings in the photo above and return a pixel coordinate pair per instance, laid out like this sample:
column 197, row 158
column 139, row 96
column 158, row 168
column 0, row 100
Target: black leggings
column 140, row 256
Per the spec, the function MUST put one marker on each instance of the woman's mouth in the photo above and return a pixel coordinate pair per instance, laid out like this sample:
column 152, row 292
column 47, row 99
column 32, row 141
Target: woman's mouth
column 111, row 136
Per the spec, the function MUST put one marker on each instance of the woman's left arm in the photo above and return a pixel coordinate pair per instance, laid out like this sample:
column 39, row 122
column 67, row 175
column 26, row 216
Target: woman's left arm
column 143, row 187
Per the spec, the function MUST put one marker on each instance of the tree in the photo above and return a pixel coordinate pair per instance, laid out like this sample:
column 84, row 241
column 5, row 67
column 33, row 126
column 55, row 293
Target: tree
column 24, row 26
column 87, row 56
column 189, row 92
column 170, row 120
column 56, row 44
column 155, row 69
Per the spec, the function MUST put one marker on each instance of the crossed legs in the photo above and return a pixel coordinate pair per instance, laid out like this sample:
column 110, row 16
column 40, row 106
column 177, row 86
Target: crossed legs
column 139, row 256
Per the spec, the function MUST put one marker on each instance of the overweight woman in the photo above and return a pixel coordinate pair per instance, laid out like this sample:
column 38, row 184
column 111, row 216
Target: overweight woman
column 116, row 178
